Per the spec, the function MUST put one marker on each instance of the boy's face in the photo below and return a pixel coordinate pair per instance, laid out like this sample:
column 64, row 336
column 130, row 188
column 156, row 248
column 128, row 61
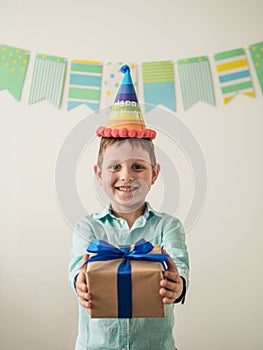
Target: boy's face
column 126, row 175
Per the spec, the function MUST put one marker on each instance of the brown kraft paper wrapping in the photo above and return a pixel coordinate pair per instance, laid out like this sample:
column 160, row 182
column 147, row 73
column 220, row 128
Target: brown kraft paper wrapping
column 146, row 276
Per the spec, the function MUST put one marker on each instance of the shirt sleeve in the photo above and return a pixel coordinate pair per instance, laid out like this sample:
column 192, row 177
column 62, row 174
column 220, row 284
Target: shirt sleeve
column 174, row 243
column 82, row 237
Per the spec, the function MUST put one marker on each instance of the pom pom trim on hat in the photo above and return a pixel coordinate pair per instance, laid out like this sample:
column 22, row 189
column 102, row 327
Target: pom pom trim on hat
column 126, row 133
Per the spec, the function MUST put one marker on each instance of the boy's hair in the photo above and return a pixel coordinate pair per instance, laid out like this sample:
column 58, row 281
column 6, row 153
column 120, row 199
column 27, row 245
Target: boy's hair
column 134, row 142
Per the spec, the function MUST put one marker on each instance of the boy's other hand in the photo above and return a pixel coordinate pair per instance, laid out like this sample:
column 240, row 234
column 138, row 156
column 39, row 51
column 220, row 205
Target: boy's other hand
column 172, row 287
column 81, row 286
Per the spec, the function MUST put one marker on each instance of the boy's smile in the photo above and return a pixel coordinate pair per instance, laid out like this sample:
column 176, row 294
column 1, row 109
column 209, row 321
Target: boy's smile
column 126, row 175
column 126, row 188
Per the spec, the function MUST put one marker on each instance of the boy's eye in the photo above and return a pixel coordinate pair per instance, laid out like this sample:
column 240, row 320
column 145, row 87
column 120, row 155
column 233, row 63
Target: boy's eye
column 114, row 167
column 138, row 166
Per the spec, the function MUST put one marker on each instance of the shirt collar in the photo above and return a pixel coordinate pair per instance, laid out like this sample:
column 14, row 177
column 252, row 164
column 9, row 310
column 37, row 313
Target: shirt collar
column 107, row 211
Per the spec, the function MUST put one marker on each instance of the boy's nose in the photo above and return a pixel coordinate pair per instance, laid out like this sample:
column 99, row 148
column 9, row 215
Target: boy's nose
column 130, row 179
column 125, row 176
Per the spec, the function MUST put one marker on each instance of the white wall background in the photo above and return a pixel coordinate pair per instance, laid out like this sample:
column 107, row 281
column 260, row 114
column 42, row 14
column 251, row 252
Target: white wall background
column 224, row 304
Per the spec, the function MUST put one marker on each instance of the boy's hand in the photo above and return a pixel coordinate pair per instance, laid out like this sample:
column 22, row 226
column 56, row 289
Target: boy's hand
column 81, row 286
column 172, row 288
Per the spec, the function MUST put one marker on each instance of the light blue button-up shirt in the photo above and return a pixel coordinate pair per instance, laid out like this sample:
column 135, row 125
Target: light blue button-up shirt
column 137, row 333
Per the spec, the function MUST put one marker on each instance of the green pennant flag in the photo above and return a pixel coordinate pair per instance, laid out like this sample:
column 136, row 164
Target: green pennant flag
column 234, row 74
column 13, row 67
column 256, row 52
column 196, row 81
column 48, row 79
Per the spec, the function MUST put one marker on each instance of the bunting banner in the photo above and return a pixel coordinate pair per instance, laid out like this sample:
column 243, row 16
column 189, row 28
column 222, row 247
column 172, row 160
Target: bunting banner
column 111, row 79
column 158, row 84
column 13, row 68
column 256, row 52
column 85, row 84
column 196, row 81
column 95, row 84
column 48, row 79
column 234, row 74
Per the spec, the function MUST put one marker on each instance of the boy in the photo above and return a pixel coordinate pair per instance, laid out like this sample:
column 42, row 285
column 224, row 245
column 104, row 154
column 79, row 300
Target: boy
column 126, row 169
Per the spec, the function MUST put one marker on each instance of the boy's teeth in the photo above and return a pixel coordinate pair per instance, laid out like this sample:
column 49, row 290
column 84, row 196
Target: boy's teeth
column 125, row 189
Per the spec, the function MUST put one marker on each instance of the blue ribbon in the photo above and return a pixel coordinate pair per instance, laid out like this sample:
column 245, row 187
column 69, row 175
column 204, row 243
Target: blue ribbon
column 106, row 251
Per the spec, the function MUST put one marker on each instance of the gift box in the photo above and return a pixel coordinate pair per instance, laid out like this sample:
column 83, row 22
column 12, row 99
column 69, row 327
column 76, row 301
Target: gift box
column 124, row 281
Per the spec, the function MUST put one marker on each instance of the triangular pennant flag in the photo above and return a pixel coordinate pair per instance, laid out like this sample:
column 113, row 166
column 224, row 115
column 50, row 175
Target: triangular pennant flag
column 234, row 74
column 13, row 68
column 256, row 51
column 111, row 80
column 196, row 81
column 85, row 84
column 158, row 84
column 48, row 79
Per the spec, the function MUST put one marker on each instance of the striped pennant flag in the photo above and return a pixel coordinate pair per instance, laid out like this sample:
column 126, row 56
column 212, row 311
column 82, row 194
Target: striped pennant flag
column 85, row 84
column 48, row 79
column 256, row 52
column 111, row 80
column 196, row 81
column 13, row 67
column 233, row 73
column 158, row 84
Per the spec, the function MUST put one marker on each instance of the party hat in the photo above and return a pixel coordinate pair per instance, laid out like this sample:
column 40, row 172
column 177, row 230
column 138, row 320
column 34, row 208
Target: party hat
column 126, row 118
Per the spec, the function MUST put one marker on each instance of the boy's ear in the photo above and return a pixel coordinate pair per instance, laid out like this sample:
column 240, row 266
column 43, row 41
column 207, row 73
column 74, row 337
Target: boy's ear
column 97, row 172
column 155, row 174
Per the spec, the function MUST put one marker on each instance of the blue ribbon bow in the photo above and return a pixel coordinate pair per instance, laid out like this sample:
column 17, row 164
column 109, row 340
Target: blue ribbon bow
column 106, row 251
